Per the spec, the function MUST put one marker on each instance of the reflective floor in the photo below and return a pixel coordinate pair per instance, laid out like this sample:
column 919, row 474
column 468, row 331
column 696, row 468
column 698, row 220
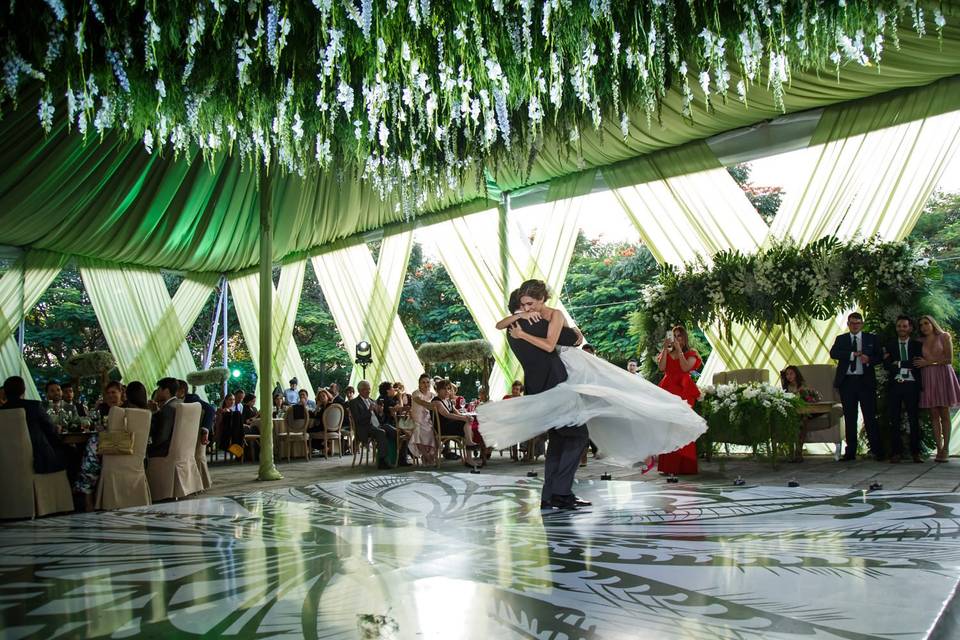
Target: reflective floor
column 438, row 555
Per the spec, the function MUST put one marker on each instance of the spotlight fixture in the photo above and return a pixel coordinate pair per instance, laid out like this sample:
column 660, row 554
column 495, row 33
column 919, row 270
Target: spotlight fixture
column 531, row 474
column 739, row 482
column 673, row 479
column 606, row 476
column 793, row 484
column 876, row 486
column 364, row 357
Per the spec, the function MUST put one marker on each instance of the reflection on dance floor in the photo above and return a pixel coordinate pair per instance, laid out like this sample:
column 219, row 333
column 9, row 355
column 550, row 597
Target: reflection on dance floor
column 438, row 555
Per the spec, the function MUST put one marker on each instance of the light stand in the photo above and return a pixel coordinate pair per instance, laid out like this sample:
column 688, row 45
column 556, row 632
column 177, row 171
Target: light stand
column 364, row 358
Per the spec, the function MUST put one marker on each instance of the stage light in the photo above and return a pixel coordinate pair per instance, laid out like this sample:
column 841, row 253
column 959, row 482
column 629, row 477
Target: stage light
column 236, row 373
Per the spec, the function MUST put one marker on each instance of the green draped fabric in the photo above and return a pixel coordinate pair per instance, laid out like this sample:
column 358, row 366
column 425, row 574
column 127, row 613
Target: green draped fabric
column 21, row 287
column 145, row 329
column 108, row 199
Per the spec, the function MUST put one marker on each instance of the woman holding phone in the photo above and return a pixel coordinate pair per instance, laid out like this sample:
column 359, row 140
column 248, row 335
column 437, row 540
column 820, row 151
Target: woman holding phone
column 676, row 360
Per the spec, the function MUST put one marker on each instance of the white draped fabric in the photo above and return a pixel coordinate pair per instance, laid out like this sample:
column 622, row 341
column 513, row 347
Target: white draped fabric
column 20, row 289
column 287, row 362
column 145, row 329
column 363, row 298
column 470, row 249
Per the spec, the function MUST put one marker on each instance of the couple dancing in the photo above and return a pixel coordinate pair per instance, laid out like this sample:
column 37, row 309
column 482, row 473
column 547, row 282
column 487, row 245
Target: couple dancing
column 630, row 419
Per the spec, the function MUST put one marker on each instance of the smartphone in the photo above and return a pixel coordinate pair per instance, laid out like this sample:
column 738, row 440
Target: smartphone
column 669, row 335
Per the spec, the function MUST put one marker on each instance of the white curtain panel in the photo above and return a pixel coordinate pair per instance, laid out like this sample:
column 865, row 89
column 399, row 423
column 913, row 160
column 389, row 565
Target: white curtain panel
column 470, row 250
column 145, row 329
column 363, row 298
column 286, row 361
column 21, row 287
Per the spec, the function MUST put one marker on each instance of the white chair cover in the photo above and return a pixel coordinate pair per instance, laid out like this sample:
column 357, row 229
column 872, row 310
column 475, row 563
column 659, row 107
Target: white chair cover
column 176, row 475
column 123, row 480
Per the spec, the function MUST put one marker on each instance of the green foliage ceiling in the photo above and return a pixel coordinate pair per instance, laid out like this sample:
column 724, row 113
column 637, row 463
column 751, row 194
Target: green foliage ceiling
column 413, row 92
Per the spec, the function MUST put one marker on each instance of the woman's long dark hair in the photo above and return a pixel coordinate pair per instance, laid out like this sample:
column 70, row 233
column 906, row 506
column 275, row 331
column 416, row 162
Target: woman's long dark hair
column 136, row 395
column 796, row 373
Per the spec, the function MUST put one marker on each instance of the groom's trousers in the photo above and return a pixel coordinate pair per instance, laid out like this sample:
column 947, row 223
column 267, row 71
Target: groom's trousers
column 564, row 447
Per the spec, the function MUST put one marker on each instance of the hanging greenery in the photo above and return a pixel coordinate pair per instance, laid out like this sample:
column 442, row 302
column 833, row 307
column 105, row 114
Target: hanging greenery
column 459, row 351
column 413, row 94
column 786, row 283
column 216, row 375
column 93, row 364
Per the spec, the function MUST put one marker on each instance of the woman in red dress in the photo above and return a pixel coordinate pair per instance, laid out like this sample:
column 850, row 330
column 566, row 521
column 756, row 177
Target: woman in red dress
column 676, row 360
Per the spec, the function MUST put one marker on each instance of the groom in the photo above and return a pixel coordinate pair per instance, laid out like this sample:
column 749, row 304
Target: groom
column 857, row 353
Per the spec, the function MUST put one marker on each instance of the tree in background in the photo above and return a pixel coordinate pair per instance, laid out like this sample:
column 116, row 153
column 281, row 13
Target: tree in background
column 766, row 200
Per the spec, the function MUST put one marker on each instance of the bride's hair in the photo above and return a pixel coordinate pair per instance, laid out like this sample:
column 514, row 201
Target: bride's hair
column 536, row 289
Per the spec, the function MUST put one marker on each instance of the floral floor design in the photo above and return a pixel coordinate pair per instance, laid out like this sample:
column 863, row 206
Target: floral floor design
column 441, row 555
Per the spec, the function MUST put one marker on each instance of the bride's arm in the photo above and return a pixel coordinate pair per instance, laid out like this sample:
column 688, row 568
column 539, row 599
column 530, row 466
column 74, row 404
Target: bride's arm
column 532, row 316
column 553, row 333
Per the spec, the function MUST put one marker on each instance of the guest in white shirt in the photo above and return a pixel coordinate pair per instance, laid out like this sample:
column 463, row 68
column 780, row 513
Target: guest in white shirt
column 857, row 353
column 904, row 384
column 292, row 395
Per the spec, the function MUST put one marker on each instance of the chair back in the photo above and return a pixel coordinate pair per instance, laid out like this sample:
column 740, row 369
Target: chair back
column 820, row 377
column 295, row 425
column 176, row 475
column 16, row 456
column 123, row 480
column 333, row 418
column 746, row 376
column 721, row 377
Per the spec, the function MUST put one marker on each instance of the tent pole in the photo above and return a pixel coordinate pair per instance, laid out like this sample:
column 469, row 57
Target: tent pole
column 268, row 471
column 226, row 303
column 213, row 331
column 504, row 210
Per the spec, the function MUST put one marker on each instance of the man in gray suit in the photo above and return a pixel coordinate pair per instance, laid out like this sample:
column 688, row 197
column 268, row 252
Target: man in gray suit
column 161, row 425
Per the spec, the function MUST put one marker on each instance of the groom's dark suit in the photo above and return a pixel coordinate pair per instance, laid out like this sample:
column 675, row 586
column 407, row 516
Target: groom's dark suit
column 857, row 384
column 904, row 384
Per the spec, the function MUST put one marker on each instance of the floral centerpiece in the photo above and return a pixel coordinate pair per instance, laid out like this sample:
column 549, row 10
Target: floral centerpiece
column 758, row 415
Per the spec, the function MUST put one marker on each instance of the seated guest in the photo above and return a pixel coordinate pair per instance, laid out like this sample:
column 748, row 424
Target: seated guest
column 452, row 423
column 304, row 399
column 238, row 396
column 516, row 390
column 300, row 410
column 279, row 405
column 228, row 426
column 69, row 398
column 423, row 440
column 54, row 400
column 112, row 397
column 403, row 398
column 388, row 403
column 164, row 419
column 367, row 418
column 49, row 455
column 250, row 412
column 904, row 386
column 208, row 412
column 350, row 392
column 791, row 380
column 91, row 465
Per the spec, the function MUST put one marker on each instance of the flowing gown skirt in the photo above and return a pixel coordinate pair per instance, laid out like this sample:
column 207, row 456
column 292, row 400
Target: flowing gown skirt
column 629, row 418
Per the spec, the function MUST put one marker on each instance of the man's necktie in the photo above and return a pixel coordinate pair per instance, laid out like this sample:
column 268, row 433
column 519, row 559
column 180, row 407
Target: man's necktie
column 853, row 345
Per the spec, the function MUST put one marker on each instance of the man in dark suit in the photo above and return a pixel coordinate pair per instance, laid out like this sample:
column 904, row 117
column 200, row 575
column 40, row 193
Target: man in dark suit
column 904, row 384
column 49, row 455
column 857, row 353
column 69, row 396
column 367, row 420
column 164, row 418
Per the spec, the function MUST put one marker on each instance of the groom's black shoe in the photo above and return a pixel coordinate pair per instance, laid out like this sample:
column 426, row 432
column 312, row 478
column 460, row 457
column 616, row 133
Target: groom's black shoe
column 564, row 502
column 580, row 502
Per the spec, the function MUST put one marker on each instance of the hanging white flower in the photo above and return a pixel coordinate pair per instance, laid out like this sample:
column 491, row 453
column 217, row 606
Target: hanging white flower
column 58, row 9
column 297, row 127
column 148, row 141
column 625, row 125
column 383, row 134
column 345, row 96
column 45, row 111
column 333, row 49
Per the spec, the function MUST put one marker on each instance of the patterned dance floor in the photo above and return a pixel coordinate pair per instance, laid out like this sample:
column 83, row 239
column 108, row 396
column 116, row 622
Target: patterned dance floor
column 446, row 556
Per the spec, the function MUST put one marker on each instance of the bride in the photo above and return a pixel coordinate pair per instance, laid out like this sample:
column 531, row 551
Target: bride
column 630, row 419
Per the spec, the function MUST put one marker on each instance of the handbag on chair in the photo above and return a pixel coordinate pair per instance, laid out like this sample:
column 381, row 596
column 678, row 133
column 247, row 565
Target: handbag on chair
column 116, row 443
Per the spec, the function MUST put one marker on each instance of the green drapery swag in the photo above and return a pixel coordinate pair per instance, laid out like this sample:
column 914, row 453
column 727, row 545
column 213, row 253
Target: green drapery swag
column 145, row 330
column 20, row 289
column 287, row 362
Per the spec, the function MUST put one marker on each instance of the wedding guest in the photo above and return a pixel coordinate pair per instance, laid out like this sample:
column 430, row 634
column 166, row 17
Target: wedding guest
column 677, row 361
column 350, row 393
column 904, row 385
column 69, row 398
column 452, row 423
column 136, row 396
column 516, row 390
column 292, row 395
column 941, row 391
column 304, row 399
column 857, row 353
column 387, row 399
column 208, row 412
column 54, row 400
column 279, row 408
column 228, row 427
column 49, row 455
column 366, row 417
column 112, row 397
column 238, row 396
column 633, row 367
column 250, row 412
column 423, row 441
column 791, row 380
column 164, row 419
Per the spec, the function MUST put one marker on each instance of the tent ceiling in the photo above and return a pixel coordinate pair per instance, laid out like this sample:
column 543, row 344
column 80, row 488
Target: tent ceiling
column 110, row 200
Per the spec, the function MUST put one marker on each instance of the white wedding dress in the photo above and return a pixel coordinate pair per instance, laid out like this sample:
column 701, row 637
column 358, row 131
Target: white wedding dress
column 629, row 418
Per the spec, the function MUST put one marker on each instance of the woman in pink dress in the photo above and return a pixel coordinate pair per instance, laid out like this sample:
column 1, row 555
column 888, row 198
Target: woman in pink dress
column 676, row 360
column 423, row 442
column 941, row 391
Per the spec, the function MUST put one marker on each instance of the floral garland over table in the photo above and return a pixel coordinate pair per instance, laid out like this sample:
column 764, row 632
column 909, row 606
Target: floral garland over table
column 786, row 283
column 757, row 415
column 414, row 91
